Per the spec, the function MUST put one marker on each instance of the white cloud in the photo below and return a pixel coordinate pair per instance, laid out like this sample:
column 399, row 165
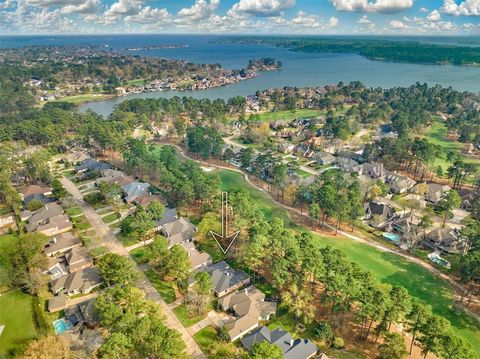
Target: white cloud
column 302, row 19
column 88, row 7
column 333, row 21
column 150, row 15
column 423, row 9
column 266, row 8
column 434, row 16
column 364, row 20
column 46, row 3
column 381, row 6
column 466, row 8
column 397, row 24
column 7, row 4
column 201, row 10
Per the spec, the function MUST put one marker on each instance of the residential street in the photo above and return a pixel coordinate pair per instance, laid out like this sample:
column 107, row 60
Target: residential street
column 109, row 240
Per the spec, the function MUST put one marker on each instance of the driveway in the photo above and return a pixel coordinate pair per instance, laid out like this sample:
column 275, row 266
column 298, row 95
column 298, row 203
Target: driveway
column 110, row 241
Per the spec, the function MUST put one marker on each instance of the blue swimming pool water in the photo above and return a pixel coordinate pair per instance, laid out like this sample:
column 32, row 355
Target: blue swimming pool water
column 61, row 326
column 391, row 236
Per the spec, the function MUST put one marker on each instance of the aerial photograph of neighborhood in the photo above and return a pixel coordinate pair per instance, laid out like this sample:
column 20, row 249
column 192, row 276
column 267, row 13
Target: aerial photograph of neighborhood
column 240, row 179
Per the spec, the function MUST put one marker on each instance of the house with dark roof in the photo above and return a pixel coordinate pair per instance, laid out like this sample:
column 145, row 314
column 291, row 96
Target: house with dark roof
column 40, row 197
column 225, row 279
column 134, row 190
column 292, row 348
column 35, row 189
column 248, row 306
column 91, row 164
column 378, row 213
column 446, row 240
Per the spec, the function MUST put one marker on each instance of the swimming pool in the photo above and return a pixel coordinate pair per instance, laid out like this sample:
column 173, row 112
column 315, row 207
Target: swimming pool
column 61, row 326
column 391, row 237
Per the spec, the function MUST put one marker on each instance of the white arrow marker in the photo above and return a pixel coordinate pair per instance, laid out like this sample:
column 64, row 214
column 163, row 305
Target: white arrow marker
column 224, row 237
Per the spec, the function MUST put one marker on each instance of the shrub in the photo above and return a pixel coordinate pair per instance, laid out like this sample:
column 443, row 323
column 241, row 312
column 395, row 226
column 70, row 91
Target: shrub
column 93, row 198
column 323, row 331
column 222, row 334
column 338, row 343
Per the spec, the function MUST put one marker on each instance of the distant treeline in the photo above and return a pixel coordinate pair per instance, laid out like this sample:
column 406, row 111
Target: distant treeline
column 387, row 50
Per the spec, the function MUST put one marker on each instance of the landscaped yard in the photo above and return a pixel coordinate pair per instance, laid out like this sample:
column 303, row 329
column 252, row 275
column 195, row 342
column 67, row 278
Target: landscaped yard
column 74, row 211
column 208, row 341
column 165, row 289
column 79, row 99
column 111, row 217
column 388, row 268
column 182, row 314
column 16, row 314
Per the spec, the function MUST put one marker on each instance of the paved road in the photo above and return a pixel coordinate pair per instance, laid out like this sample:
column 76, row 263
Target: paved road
column 110, row 241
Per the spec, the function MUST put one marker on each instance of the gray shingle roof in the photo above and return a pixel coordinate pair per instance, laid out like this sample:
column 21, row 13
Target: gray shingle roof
column 291, row 348
column 224, row 277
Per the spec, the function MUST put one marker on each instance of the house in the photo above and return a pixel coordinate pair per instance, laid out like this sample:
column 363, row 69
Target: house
column 82, row 281
column 76, row 156
column 170, row 215
column 110, row 175
column 40, row 197
column 54, row 267
column 49, row 220
column 51, row 226
column 179, row 231
column 373, row 170
column 399, row 184
column 303, row 150
column 378, row 213
column 225, row 279
column 406, row 225
column 91, row 164
column 324, row 158
column 77, row 259
column 61, row 243
column 249, row 307
column 146, row 199
column 35, row 189
column 347, row 164
column 292, row 348
column 435, row 192
column 285, row 147
column 446, row 240
column 57, row 303
column 197, row 258
column 134, row 190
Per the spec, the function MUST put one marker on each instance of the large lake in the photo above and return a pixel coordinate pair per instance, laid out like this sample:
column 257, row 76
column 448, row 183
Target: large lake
column 299, row 69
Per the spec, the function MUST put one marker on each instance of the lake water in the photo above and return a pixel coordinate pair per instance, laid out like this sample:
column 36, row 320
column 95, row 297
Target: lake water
column 299, row 69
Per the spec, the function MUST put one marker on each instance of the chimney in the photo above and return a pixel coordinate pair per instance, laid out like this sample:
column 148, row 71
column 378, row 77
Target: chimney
column 54, row 240
column 291, row 342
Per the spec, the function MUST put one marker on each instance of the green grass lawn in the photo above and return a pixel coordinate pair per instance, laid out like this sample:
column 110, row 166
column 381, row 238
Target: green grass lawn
column 7, row 242
column 437, row 135
column 16, row 314
column 165, row 289
column 136, row 82
column 74, row 211
column 79, row 99
column 388, row 268
column 111, row 217
column 139, row 255
column 182, row 314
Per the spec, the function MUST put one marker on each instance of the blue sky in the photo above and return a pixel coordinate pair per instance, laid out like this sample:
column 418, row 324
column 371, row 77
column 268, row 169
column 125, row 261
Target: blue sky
column 400, row 17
